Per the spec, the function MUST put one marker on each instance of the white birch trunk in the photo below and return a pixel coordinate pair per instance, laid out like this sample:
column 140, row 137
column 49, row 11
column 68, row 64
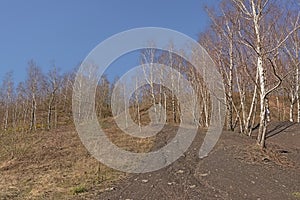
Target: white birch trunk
column 137, row 105
column 297, row 94
column 291, row 112
column 125, row 105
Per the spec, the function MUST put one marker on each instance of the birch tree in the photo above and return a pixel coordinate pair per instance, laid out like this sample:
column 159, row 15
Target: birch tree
column 65, row 97
column 53, row 82
column 292, row 49
column 22, row 98
column 33, row 83
column 8, row 90
column 225, row 28
column 148, row 60
column 260, row 13
column 137, row 103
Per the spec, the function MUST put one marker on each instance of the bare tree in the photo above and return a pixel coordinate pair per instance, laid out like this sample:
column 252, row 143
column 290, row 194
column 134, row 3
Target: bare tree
column 137, row 104
column 292, row 49
column 65, row 96
column 33, row 84
column 53, row 84
column 261, row 13
column 8, row 90
column 22, row 98
column 148, row 60
column 225, row 27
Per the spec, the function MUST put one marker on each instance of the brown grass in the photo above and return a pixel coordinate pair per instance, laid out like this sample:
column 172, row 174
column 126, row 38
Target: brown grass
column 55, row 164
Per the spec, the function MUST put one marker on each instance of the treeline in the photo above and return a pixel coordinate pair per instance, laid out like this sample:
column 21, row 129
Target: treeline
column 43, row 100
column 254, row 43
column 155, row 87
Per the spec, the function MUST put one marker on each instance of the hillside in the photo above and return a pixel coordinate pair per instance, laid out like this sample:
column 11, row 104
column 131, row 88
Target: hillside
column 55, row 165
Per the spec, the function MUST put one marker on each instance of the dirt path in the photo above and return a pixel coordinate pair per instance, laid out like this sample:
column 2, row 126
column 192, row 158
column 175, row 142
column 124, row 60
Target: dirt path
column 234, row 170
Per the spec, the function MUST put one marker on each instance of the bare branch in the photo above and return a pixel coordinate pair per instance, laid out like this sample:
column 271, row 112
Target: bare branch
column 286, row 37
column 280, row 79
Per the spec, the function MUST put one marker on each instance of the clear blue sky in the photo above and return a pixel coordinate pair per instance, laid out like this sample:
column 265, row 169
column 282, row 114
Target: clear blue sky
column 65, row 31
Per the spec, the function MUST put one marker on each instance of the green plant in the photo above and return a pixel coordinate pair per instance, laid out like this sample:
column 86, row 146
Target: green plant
column 296, row 194
column 79, row 189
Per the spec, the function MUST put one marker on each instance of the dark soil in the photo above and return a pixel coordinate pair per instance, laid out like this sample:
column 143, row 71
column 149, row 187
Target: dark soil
column 235, row 169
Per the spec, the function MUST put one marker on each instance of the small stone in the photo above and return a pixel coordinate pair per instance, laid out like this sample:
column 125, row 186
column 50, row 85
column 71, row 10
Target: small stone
column 145, row 181
column 171, row 183
column 203, row 175
column 110, row 189
column 180, row 172
column 193, row 186
column 253, row 182
column 265, row 159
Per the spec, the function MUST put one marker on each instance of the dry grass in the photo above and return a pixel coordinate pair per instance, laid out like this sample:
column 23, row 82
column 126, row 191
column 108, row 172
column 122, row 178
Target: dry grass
column 254, row 154
column 55, row 164
column 125, row 141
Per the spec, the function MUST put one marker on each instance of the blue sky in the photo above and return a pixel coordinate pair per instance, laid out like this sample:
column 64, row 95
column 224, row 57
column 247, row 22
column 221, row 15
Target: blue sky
column 65, row 31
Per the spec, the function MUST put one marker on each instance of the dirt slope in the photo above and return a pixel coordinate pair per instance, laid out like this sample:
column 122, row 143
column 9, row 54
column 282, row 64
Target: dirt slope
column 234, row 170
column 55, row 165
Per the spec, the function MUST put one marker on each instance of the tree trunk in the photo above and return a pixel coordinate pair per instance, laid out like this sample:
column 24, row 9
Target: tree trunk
column 178, row 91
column 283, row 108
column 251, row 112
column 6, row 117
column 165, row 102
column 55, row 116
column 230, row 88
column 125, row 105
column 291, row 112
column 137, row 105
column 25, row 111
column 33, row 115
column 261, row 74
column 173, row 96
column 50, row 111
column 262, row 122
column 293, row 101
column 297, row 94
column 278, row 108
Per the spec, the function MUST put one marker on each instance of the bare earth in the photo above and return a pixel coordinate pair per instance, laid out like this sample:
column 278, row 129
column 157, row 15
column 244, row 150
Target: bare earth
column 56, row 164
column 234, row 170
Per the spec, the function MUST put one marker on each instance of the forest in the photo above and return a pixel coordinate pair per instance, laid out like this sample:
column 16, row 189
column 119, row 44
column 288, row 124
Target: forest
column 254, row 46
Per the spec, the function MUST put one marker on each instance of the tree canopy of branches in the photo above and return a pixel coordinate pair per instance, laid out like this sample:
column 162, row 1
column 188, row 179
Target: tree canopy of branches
column 255, row 45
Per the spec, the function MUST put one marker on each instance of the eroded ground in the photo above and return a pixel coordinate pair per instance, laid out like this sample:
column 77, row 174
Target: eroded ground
column 56, row 166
